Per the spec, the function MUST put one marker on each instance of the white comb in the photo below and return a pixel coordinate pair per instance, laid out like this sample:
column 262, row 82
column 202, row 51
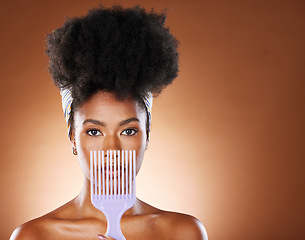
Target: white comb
column 113, row 186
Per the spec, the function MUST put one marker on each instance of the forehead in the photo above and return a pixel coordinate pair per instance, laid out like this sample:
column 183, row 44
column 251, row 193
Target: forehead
column 105, row 106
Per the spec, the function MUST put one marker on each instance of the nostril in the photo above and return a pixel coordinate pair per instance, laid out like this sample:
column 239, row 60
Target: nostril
column 112, row 153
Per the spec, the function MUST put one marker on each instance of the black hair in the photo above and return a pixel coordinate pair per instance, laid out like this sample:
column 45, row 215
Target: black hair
column 126, row 51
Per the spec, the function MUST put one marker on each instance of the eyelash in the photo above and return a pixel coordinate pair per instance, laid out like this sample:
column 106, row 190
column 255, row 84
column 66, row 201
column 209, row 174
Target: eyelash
column 89, row 132
column 132, row 129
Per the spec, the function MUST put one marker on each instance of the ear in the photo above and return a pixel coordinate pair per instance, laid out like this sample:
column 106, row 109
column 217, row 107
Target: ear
column 72, row 139
column 146, row 147
column 147, row 142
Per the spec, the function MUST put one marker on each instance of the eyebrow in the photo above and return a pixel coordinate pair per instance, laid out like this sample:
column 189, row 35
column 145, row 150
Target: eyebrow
column 124, row 122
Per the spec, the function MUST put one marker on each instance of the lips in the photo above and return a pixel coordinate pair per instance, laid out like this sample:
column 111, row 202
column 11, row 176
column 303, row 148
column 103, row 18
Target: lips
column 113, row 172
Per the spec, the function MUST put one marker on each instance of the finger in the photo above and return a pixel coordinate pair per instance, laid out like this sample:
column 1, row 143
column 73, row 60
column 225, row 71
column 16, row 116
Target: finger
column 102, row 237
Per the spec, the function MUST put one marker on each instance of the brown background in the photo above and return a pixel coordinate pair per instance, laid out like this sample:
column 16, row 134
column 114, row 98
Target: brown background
column 227, row 143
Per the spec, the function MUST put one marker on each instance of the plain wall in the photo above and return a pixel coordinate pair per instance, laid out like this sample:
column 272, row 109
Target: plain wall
column 227, row 142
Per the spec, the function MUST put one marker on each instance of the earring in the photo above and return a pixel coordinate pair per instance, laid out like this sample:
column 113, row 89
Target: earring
column 74, row 151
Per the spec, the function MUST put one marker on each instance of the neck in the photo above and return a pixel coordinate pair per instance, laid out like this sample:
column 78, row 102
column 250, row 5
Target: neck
column 83, row 202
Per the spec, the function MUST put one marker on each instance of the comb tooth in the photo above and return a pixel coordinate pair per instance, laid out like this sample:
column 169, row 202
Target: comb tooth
column 130, row 171
column 91, row 172
column 103, row 170
column 111, row 177
column 95, row 176
column 123, row 170
column 126, row 167
column 119, row 177
column 114, row 172
column 99, row 172
column 107, row 174
column 134, row 172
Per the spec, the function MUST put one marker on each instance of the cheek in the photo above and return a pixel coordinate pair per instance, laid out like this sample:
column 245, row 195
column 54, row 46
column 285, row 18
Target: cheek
column 140, row 150
column 134, row 143
column 84, row 145
column 84, row 161
column 140, row 156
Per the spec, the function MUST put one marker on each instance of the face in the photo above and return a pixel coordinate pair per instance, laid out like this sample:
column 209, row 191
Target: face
column 104, row 123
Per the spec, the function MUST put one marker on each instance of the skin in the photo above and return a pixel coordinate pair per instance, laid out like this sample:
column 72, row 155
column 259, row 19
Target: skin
column 103, row 122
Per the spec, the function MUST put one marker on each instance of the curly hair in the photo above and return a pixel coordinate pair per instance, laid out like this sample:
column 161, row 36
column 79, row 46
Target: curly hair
column 120, row 50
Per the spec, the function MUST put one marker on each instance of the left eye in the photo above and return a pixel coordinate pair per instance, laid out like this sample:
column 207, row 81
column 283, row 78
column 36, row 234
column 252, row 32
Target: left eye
column 129, row 132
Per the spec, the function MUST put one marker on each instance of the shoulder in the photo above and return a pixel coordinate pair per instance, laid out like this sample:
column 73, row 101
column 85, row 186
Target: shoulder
column 173, row 225
column 178, row 226
column 39, row 228
column 29, row 231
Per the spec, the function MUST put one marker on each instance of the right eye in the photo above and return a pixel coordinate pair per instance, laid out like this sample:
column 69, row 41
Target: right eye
column 94, row 132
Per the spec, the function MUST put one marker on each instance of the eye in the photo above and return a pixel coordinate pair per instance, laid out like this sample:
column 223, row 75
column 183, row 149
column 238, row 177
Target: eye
column 94, row 132
column 130, row 132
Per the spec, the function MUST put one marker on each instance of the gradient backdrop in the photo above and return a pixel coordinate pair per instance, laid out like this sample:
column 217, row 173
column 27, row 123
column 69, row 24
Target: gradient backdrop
column 227, row 142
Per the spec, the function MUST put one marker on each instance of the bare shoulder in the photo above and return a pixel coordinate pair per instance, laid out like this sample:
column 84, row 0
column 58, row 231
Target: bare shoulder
column 29, row 231
column 41, row 227
column 178, row 226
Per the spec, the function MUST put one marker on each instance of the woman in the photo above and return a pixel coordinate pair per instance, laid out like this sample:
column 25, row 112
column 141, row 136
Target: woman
column 107, row 66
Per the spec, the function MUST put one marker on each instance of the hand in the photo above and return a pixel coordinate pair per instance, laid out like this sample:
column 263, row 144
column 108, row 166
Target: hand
column 102, row 237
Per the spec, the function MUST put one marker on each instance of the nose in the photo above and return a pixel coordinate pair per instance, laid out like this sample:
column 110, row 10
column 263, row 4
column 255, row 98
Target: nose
column 112, row 142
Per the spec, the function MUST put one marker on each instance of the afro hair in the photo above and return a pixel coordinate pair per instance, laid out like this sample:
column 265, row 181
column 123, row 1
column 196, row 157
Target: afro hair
column 121, row 50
